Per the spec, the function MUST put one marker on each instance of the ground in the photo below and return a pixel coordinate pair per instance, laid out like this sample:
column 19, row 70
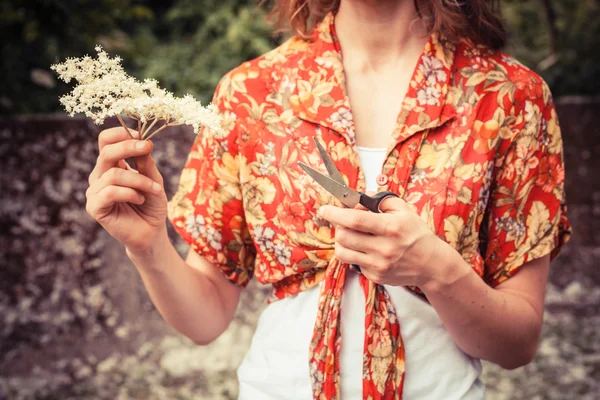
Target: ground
column 76, row 323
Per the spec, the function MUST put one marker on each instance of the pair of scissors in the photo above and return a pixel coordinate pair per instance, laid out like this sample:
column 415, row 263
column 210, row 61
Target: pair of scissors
column 334, row 184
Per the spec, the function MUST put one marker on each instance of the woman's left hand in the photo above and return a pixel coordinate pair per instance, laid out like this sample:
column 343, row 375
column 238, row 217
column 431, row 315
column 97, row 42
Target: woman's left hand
column 394, row 247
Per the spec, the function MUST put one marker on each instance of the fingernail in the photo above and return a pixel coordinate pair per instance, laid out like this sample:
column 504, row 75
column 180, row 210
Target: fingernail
column 141, row 197
column 155, row 187
column 141, row 145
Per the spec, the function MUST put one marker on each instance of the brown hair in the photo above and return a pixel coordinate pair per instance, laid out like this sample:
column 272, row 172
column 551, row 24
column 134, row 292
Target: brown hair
column 478, row 20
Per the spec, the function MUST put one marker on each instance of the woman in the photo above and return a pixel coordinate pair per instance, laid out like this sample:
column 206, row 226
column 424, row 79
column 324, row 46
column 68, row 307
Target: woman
column 472, row 147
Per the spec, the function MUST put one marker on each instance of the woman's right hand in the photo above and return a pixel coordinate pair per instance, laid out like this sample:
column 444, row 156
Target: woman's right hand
column 130, row 204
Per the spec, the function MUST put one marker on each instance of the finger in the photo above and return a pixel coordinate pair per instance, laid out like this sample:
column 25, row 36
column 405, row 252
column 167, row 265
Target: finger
column 125, row 178
column 373, row 274
column 356, row 240
column 124, row 165
column 111, row 136
column 391, row 204
column 358, row 220
column 109, row 196
column 350, row 256
column 146, row 165
column 112, row 154
column 115, row 135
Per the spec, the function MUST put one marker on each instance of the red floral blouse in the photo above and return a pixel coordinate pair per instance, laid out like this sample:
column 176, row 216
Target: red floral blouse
column 476, row 152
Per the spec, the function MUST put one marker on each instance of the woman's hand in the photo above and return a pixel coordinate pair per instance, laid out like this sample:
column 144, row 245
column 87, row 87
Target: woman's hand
column 130, row 204
column 395, row 247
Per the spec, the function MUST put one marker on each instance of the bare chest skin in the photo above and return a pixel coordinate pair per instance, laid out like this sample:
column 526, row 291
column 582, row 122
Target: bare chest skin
column 375, row 98
column 376, row 91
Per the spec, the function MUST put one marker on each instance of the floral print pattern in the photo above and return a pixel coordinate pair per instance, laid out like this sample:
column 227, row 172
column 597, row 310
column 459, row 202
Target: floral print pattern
column 476, row 153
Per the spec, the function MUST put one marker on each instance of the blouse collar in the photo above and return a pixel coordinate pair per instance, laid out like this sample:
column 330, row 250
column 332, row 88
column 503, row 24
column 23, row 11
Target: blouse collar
column 322, row 79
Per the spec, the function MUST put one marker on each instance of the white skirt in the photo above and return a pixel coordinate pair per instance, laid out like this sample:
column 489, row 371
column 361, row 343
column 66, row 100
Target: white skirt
column 276, row 366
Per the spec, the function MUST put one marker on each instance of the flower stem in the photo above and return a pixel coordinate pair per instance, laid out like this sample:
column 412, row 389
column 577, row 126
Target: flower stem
column 149, row 127
column 156, row 131
column 124, row 126
column 139, row 124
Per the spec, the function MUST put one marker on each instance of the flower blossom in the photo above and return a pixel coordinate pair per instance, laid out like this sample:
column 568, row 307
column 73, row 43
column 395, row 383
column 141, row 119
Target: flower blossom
column 105, row 90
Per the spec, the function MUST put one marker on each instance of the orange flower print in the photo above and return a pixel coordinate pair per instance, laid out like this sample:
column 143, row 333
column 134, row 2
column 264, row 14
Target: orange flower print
column 526, row 160
column 292, row 215
column 484, row 133
column 329, row 363
column 551, row 174
column 518, row 163
column 445, row 189
column 528, row 85
column 247, row 73
column 254, row 130
column 455, row 184
column 303, row 104
column 245, row 205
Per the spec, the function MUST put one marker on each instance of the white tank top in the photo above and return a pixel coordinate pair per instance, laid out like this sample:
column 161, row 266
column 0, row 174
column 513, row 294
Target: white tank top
column 371, row 160
column 276, row 366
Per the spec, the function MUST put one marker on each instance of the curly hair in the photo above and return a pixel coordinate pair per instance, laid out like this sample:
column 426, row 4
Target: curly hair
column 478, row 20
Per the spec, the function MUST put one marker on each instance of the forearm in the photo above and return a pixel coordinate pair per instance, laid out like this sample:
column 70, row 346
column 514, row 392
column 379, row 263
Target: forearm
column 498, row 326
column 185, row 297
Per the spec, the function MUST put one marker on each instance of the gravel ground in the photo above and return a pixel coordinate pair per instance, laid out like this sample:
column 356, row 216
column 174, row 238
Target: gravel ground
column 76, row 323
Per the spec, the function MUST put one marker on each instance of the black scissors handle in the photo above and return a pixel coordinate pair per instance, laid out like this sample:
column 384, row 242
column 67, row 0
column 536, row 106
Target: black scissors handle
column 372, row 203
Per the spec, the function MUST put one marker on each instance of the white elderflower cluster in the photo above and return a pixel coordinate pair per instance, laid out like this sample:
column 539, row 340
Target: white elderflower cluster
column 105, row 90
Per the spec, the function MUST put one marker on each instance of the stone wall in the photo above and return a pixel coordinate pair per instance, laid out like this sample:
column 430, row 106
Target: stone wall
column 75, row 321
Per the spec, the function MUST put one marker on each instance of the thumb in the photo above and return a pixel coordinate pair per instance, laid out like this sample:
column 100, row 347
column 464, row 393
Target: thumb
column 146, row 166
column 393, row 204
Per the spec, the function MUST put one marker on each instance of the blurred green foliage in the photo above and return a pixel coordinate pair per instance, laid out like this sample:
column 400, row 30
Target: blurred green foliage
column 189, row 44
column 37, row 33
column 194, row 43
column 561, row 50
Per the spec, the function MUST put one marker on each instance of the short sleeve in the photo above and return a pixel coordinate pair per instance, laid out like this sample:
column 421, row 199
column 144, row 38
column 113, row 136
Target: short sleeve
column 527, row 212
column 207, row 209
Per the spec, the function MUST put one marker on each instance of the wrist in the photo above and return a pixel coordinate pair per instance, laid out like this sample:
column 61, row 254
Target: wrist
column 148, row 256
column 448, row 267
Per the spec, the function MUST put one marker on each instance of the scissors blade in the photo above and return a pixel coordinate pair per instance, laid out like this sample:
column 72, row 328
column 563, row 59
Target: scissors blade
column 347, row 196
column 331, row 169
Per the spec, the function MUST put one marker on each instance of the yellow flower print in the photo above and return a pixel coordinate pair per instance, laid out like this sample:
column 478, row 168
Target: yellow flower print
column 436, row 157
column 308, row 100
column 555, row 143
column 471, row 122
column 228, row 123
column 259, row 191
column 228, row 170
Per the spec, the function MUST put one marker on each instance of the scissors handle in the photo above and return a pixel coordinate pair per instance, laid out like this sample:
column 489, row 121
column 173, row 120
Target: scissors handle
column 372, row 203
